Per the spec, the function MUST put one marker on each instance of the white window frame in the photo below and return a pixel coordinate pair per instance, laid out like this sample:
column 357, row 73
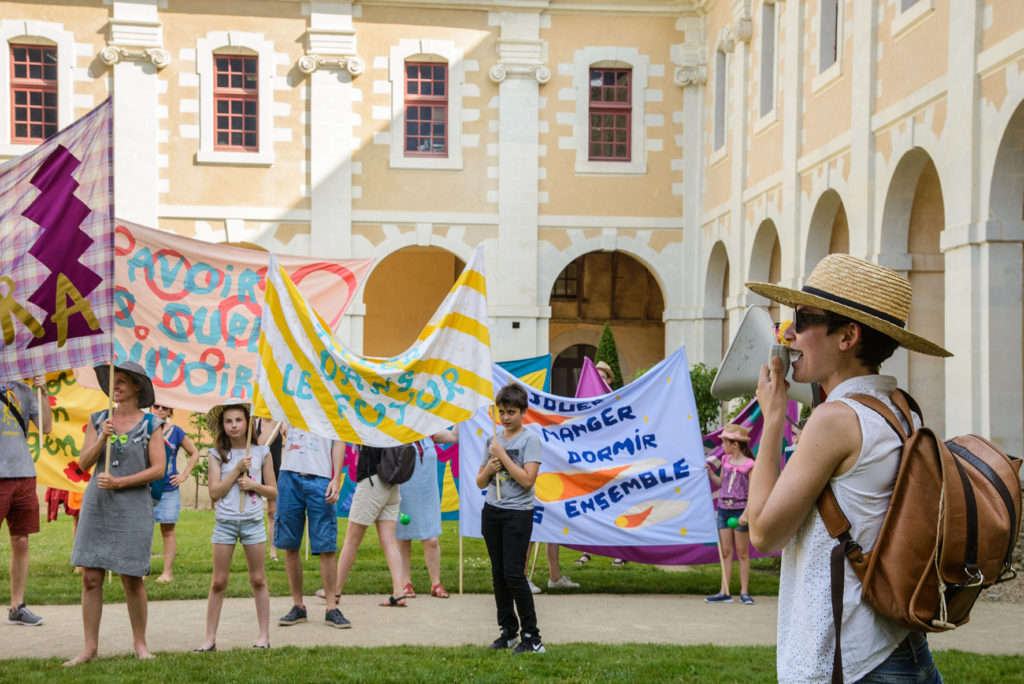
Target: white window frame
column 769, row 64
column 42, row 33
column 426, row 51
column 911, row 16
column 833, row 72
column 235, row 43
column 610, row 58
column 720, row 105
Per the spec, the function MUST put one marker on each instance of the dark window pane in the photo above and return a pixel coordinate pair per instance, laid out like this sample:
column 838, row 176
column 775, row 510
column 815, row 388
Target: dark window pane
column 19, row 54
column 20, row 97
column 411, row 70
column 222, row 138
column 236, row 123
column 50, row 73
column 35, row 131
column 50, row 99
column 438, row 114
column 250, row 107
column 236, row 106
column 35, row 71
column 410, row 128
column 50, row 116
column 236, row 80
column 222, row 106
column 236, row 139
column 410, row 145
column 21, row 113
column 19, row 71
column 414, row 88
column 424, row 129
column 620, row 151
column 20, row 130
column 608, row 78
column 250, row 123
column 608, row 135
column 620, row 121
column 250, row 66
column 222, row 80
column 35, row 115
column 595, row 150
column 439, row 145
column 439, row 130
column 222, row 63
column 426, row 88
column 620, row 136
column 439, row 73
column 622, row 95
column 439, row 88
column 35, row 55
column 50, row 57
column 250, row 81
column 236, row 63
column 250, row 140
column 35, row 98
column 49, row 129
column 222, row 122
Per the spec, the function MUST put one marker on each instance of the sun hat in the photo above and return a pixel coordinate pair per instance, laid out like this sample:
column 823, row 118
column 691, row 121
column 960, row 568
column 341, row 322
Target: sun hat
column 135, row 371
column 736, row 433
column 604, row 365
column 213, row 415
column 862, row 291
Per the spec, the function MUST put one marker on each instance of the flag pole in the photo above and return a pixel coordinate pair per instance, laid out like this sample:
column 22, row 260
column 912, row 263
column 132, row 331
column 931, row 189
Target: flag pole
column 248, row 443
column 110, row 415
column 494, row 438
column 460, row 554
column 533, row 564
column 39, row 424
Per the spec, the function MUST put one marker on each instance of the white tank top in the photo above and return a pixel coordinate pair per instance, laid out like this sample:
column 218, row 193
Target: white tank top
column 806, row 638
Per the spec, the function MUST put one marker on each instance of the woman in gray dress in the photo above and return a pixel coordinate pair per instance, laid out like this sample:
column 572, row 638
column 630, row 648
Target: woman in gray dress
column 115, row 529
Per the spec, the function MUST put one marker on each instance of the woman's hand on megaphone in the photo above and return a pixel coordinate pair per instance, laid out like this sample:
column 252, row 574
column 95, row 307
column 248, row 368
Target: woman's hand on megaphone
column 771, row 390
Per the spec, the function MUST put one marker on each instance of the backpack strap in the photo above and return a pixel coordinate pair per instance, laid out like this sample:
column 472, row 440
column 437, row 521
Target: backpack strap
column 13, row 408
column 881, row 409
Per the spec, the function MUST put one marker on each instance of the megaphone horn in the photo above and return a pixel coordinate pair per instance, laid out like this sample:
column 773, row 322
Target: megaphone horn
column 752, row 347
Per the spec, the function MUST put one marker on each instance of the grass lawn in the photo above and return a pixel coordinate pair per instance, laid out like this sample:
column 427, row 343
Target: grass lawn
column 569, row 663
column 52, row 582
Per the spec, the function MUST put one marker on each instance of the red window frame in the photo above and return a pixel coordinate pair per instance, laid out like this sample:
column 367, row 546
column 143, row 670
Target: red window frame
column 236, row 123
column 33, row 93
column 611, row 115
column 426, row 109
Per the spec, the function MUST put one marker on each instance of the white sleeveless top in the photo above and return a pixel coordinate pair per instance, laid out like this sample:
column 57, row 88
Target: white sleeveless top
column 227, row 508
column 806, row 638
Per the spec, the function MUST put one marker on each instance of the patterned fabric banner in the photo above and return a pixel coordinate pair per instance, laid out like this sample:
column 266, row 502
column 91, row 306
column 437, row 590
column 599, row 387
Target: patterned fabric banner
column 309, row 380
column 624, row 469
column 189, row 311
column 56, row 251
column 57, row 461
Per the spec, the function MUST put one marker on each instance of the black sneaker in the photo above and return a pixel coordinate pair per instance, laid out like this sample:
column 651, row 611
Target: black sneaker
column 334, row 618
column 23, row 616
column 504, row 640
column 530, row 644
column 296, row 615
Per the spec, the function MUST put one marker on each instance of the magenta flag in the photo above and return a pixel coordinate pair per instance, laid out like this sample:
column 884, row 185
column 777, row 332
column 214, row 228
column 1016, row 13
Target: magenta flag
column 591, row 383
column 56, row 251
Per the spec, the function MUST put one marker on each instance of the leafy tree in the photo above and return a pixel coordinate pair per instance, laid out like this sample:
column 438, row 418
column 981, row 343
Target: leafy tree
column 609, row 353
column 708, row 407
column 203, row 440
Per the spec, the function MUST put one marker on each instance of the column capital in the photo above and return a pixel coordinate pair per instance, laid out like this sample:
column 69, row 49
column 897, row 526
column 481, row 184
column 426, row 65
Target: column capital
column 353, row 64
column 693, row 65
column 520, row 57
column 113, row 54
column 499, row 72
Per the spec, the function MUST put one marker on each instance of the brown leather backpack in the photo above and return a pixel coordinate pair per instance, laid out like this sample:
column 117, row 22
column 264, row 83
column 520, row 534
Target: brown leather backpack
column 949, row 533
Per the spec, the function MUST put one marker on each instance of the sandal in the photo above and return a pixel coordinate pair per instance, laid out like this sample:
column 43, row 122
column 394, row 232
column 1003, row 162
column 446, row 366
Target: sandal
column 618, row 563
column 408, row 591
column 585, row 558
column 393, row 602
column 438, row 591
column 205, row 650
column 258, row 646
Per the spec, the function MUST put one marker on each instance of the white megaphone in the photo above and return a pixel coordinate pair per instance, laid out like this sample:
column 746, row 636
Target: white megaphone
column 752, row 347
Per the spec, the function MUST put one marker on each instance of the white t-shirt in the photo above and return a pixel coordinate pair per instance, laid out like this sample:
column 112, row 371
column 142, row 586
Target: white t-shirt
column 306, row 453
column 227, row 508
column 806, row 637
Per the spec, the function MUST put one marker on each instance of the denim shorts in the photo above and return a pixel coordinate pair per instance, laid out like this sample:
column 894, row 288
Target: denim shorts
column 723, row 516
column 248, row 532
column 910, row 662
column 299, row 496
column 168, row 507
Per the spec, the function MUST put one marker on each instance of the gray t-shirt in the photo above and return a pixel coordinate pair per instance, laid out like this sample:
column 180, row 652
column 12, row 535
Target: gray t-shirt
column 15, row 459
column 522, row 449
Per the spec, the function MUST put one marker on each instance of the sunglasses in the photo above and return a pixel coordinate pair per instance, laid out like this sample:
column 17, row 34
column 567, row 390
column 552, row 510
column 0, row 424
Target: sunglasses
column 804, row 320
column 158, row 407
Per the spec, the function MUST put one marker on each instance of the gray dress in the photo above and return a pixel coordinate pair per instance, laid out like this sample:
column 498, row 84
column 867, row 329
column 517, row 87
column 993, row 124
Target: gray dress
column 115, row 527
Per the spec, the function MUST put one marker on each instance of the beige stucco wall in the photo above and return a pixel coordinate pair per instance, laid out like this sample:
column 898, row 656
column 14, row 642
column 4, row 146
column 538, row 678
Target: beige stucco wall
column 912, row 58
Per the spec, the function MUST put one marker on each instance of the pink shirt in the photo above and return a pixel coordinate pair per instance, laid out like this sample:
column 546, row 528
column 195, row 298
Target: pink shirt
column 735, row 483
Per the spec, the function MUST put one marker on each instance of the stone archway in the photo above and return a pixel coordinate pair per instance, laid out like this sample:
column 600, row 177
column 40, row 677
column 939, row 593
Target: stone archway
column 766, row 259
column 716, row 291
column 829, row 232
column 402, row 293
column 611, row 287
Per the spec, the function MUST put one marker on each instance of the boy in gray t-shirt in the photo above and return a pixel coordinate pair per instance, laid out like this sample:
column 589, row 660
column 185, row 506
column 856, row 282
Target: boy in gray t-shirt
column 506, row 522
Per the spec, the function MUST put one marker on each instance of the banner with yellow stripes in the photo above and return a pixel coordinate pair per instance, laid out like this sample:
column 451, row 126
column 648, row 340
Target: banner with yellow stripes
column 308, row 379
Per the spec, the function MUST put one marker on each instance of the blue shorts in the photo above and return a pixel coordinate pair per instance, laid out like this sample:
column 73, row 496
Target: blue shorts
column 723, row 516
column 299, row 496
column 248, row 532
column 168, row 507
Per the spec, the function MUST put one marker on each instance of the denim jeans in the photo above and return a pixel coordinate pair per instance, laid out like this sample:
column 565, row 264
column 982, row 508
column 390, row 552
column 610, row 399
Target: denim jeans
column 507, row 535
column 910, row 662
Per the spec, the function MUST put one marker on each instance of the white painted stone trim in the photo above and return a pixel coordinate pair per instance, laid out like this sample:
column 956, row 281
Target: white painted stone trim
column 52, row 34
column 610, row 56
column 239, row 43
column 905, row 20
column 443, row 50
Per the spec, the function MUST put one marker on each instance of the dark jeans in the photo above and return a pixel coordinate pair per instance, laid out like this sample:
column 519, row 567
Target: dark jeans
column 910, row 662
column 507, row 535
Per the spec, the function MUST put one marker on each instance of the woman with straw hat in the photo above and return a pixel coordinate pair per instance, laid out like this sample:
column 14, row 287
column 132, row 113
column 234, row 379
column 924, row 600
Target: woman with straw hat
column 115, row 529
column 851, row 316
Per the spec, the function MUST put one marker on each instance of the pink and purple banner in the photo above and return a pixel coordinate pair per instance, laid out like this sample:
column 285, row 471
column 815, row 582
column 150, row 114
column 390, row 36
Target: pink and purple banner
column 56, row 251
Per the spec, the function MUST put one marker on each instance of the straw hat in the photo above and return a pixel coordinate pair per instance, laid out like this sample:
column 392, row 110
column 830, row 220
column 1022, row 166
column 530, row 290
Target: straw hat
column 137, row 373
column 865, row 292
column 603, row 365
column 736, row 433
column 214, row 414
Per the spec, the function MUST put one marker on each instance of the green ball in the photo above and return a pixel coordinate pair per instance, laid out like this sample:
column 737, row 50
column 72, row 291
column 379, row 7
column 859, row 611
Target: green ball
column 404, row 519
column 732, row 522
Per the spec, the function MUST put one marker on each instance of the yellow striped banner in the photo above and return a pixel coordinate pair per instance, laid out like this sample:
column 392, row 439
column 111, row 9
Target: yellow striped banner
column 308, row 379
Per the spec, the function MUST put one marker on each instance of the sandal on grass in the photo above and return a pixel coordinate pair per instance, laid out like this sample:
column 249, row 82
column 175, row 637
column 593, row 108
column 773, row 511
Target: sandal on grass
column 585, row 558
column 408, row 591
column 438, row 591
column 393, row 602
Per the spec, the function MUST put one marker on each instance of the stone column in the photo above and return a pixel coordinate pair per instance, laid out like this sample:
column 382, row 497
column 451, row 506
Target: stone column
column 135, row 53
column 516, row 304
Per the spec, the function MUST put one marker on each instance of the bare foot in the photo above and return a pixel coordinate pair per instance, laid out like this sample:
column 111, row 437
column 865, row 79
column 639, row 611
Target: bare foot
column 164, row 579
column 82, row 657
column 142, row 653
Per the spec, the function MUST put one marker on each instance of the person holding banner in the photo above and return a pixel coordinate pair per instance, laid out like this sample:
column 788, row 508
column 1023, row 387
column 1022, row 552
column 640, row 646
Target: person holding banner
column 115, row 531
column 241, row 473
column 506, row 523
column 19, row 505
column 733, row 531
column 851, row 315
column 169, row 507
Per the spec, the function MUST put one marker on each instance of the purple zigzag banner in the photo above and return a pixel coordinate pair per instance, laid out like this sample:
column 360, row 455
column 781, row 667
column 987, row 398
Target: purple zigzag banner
column 57, row 251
